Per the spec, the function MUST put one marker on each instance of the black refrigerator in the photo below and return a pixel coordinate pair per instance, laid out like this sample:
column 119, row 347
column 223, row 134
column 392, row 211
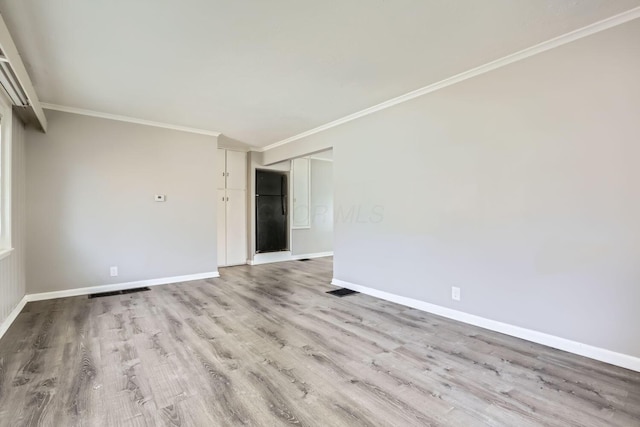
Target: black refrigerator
column 271, row 211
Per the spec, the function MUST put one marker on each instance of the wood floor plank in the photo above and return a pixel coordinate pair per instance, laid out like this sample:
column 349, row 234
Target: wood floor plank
column 265, row 345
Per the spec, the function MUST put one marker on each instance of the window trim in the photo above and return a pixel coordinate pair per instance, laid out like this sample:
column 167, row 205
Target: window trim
column 6, row 118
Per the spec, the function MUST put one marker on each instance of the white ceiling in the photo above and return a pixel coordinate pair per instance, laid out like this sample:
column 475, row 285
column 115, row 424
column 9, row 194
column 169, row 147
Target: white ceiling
column 261, row 71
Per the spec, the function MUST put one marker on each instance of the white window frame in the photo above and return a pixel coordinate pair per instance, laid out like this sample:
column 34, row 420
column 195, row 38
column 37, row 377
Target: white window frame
column 6, row 118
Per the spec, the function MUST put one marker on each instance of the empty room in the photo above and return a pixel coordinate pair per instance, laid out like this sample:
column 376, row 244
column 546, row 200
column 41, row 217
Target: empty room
column 330, row 213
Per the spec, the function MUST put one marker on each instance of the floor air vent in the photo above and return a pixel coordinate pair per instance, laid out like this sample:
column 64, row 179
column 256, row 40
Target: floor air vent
column 126, row 291
column 342, row 292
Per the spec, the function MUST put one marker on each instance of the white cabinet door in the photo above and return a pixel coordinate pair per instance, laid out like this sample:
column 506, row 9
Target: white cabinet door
column 237, row 170
column 236, row 227
column 221, row 168
column 222, row 227
column 300, row 169
column 232, row 207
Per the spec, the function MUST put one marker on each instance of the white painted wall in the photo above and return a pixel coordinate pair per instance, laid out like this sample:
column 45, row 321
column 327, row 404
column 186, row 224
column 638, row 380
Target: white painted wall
column 318, row 238
column 91, row 185
column 12, row 268
column 520, row 186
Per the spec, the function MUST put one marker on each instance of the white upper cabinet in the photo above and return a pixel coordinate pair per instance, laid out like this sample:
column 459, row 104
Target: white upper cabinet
column 232, row 169
column 236, row 170
column 301, row 172
column 221, row 167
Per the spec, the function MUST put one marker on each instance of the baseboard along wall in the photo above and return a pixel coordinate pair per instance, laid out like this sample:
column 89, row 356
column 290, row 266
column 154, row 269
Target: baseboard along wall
column 592, row 352
column 4, row 326
column 268, row 258
column 6, row 323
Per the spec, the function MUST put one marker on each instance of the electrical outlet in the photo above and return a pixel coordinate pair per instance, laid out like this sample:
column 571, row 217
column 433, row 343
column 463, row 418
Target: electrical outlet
column 113, row 271
column 455, row 293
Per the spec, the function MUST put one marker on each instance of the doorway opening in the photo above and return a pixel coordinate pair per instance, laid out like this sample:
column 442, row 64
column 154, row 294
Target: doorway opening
column 272, row 211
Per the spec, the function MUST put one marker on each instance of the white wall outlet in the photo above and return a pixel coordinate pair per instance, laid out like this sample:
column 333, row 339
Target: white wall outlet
column 159, row 198
column 113, row 271
column 455, row 293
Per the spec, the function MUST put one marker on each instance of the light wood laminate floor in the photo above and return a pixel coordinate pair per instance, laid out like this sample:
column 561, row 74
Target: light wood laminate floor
column 265, row 346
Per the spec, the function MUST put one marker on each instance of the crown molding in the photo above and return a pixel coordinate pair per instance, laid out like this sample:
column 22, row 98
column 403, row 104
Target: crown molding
column 320, row 159
column 590, row 29
column 119, row 118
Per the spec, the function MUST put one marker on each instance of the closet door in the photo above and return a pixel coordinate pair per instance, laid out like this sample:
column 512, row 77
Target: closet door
column 221, row 167
column 222, row 227
column 236, row 227
column 237, row 170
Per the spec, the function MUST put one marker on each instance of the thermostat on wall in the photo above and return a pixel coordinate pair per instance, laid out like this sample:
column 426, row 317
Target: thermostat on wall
column 160, row 198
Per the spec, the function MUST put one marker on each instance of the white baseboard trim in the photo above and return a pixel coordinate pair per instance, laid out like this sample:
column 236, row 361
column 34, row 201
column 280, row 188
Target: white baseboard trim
column 271, row 257
column 233, row 265
column 597, row 353
column 311, row 256
column 4, row 326
column 120, row 286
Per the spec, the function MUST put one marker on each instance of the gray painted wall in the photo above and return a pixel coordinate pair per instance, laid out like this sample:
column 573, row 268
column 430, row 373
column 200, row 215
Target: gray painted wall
column 520, row 186
column 319, row 237
column 90, row 186
column 12, row 268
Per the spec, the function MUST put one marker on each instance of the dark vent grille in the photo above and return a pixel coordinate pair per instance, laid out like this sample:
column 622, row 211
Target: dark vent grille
column 342, row 292
column 110, row 294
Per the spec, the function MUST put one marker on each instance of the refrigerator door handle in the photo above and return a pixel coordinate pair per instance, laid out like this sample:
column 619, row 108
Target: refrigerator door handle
column 283, row 195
